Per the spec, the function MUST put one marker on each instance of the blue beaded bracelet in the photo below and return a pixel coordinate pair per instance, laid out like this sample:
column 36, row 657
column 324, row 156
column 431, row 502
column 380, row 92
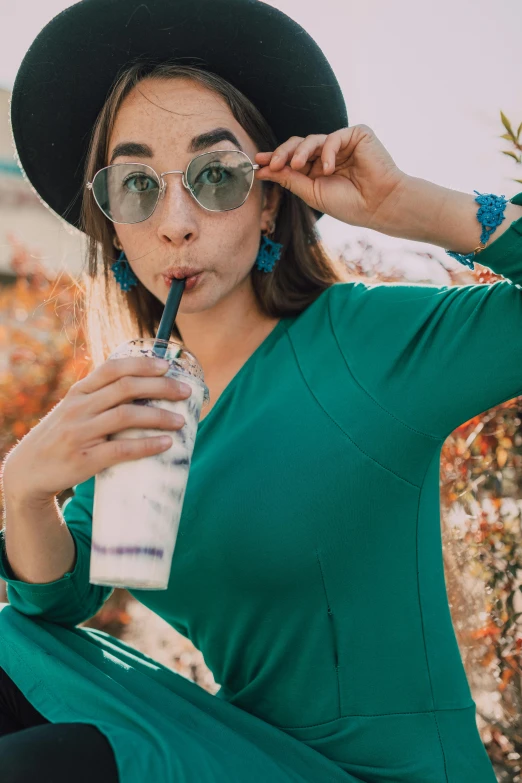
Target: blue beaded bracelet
column 490, row 215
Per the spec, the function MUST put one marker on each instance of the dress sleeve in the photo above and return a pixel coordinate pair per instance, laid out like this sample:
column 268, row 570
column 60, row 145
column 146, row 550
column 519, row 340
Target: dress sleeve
column 433, row 356
column 71, row 599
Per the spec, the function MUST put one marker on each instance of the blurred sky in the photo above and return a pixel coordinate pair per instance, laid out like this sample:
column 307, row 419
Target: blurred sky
column 429, row 78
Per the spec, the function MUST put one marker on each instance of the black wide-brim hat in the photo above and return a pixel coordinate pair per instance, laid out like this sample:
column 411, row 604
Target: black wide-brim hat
column 68, row 71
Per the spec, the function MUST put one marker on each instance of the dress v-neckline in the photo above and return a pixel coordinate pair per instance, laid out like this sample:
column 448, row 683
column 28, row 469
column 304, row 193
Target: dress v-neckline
column 268, row 340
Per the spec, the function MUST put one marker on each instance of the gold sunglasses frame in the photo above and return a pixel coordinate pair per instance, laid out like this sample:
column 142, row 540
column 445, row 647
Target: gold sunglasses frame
column 163, row 183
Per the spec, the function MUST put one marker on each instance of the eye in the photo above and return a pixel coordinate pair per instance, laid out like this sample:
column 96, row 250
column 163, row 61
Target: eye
column 139, row 183
column 217, row 174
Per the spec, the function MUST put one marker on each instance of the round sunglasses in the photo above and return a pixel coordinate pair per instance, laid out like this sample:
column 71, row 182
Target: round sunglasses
column 129, row 192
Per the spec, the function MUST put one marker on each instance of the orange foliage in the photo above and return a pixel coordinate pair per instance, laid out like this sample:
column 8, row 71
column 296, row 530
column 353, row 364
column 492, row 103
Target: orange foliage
column 41, row 344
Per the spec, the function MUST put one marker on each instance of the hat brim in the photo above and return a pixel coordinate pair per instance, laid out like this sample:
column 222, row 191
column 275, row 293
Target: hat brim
column 68, row 71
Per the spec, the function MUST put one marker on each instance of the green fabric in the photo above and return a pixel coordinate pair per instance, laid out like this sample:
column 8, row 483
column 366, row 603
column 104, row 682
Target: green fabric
column 308, row 568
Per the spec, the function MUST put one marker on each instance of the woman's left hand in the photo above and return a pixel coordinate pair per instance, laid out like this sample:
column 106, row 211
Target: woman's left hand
column 360, row 185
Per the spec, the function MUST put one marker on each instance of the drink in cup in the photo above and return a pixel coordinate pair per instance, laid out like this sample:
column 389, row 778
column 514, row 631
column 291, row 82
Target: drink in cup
column 138, row 503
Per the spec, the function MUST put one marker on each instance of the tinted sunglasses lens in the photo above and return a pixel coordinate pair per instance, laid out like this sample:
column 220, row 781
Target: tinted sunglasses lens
column 126, row 192
column 220, row 180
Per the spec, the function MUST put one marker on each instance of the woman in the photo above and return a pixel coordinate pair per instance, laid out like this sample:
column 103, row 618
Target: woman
column 308, row 567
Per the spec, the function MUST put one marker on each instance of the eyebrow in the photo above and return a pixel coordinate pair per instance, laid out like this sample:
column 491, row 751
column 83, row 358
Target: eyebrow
column 208, row 139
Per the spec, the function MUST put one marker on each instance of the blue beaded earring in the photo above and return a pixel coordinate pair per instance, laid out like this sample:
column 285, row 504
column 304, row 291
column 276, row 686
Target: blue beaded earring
column 269, row 253
column 123, row 272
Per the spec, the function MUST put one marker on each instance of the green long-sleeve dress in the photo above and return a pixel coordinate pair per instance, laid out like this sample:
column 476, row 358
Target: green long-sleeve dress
column 308, row 568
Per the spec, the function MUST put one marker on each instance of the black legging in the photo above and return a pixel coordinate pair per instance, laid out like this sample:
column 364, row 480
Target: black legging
column 33, row 750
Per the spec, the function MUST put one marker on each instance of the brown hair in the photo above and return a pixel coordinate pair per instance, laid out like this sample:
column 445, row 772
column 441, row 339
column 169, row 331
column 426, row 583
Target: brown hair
column 299, row 277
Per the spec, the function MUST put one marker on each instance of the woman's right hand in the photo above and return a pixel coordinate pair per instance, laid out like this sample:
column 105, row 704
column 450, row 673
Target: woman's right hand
column 71, row 443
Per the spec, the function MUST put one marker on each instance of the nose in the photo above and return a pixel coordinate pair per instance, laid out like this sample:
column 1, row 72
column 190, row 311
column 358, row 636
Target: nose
column 177, row 211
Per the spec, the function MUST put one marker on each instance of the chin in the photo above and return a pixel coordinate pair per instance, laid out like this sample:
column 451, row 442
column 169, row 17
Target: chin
column 197, row 300
column 196, row 303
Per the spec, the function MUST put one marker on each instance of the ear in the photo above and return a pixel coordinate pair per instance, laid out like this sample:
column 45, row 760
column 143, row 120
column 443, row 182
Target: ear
column 115, row 240
column 271, row 202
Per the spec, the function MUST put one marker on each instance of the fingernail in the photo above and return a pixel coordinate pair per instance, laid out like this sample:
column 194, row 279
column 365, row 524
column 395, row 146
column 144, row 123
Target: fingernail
column 185, row 388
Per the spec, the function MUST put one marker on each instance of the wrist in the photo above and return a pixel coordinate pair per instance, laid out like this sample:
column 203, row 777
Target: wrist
column 426, row 212
column 17, row 502
column 18, row 498
column 415, row 212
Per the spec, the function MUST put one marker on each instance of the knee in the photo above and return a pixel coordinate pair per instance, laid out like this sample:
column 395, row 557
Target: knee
column 57, row 752
column 16, row 764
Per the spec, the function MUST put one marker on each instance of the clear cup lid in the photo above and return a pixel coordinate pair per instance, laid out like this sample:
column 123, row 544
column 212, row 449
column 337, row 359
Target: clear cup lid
column 180, row 359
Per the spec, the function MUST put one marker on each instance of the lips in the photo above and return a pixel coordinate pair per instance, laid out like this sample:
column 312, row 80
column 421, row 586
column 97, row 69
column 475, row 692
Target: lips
column 180, row 272
column 190, row 282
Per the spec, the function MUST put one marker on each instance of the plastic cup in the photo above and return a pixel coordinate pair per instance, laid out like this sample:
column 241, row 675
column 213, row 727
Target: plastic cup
column 138, row 503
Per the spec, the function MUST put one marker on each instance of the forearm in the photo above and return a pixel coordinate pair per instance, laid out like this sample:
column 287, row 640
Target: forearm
column 426, row 212
column 39, row 546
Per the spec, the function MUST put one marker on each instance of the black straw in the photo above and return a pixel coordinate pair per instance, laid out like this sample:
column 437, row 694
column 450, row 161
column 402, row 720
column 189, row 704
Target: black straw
column 169, row 315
